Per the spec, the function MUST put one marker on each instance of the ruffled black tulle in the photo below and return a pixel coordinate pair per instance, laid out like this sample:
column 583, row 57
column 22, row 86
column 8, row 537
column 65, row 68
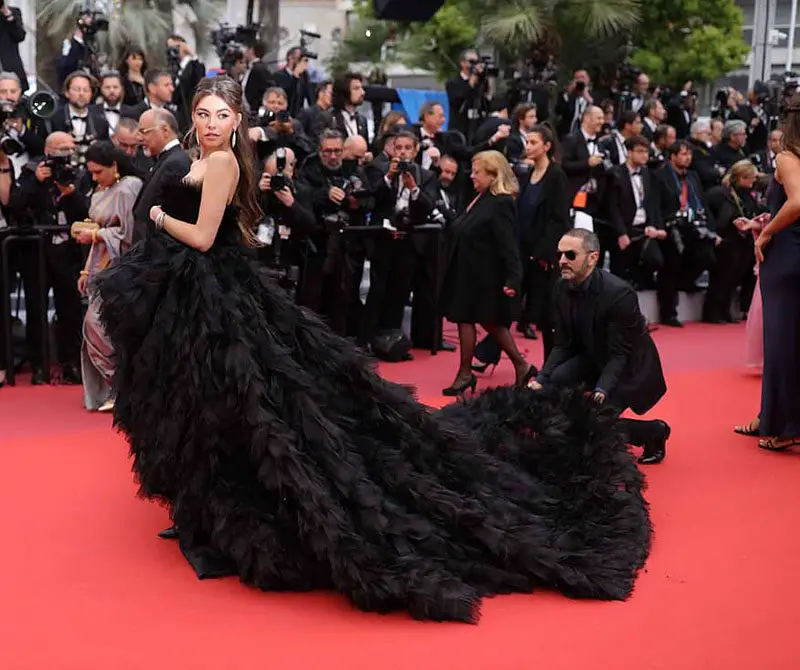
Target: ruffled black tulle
column 276, row 444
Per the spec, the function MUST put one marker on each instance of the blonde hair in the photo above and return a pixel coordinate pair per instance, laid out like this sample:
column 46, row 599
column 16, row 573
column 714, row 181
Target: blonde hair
column 740, row 170
column 504, row 182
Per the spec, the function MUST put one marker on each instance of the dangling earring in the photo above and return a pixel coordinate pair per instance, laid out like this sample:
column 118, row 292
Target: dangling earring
column 197, row 138
column 116, row 175
column 233, row 139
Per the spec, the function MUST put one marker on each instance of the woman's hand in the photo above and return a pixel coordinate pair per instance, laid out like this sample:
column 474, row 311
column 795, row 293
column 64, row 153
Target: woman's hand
column 85, row 237
column 83, row 281
column 762, row 241
column 510, row 292
column 155, row 210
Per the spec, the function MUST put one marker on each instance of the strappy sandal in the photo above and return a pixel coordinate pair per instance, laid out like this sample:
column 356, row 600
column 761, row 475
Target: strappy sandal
column 749, row 429
column 777, row 444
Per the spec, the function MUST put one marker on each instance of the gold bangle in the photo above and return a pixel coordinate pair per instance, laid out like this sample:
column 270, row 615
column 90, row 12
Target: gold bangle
column 84, row 273
column 94, row 235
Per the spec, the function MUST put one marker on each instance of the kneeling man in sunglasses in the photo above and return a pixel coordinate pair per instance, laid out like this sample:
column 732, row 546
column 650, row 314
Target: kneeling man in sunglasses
column 601, row 341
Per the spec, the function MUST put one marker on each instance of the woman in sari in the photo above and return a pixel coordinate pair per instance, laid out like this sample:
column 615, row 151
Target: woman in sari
column 111, row 208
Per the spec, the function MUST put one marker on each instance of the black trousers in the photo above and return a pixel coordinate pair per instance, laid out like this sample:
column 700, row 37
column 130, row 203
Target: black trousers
column 63, row 262
column 639, row 262
column 680, row 270
column 734, row 258
column 583, row 371
column 329, row 284
column 391, row 276
column 426, row 280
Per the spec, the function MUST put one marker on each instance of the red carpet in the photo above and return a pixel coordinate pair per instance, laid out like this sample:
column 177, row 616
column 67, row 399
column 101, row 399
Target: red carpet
column 86, row 585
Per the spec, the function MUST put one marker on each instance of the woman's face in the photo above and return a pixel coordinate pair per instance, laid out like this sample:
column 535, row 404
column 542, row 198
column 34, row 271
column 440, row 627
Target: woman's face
column 536, row 147
column 135, row 62
column 481, row 179
column 215, row 123
column 103, row 176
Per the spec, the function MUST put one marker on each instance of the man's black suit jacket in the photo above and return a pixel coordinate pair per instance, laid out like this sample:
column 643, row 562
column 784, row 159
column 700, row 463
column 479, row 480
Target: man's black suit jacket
column 258, row 81
column 621, row 348
column 97, row 126
column 169, row 167
column 621, row 202
column 185, row 86
column 575, row 161
column 12, row 32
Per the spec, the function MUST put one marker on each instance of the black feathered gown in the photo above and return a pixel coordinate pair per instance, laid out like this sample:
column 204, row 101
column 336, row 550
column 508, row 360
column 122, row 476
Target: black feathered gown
column 278, row 447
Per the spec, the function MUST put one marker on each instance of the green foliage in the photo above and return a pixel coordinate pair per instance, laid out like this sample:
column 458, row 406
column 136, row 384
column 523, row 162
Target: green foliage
column 575, row 29
column 681, row 40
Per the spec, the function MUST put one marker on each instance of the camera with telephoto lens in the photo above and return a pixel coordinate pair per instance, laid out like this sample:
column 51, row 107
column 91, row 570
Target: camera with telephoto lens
column 40, row 105
column 484, row 67
column 62, row 168
column 683, row 227
column 279, row 180
column 269, row 117
column 404, row 166
column 99, row 21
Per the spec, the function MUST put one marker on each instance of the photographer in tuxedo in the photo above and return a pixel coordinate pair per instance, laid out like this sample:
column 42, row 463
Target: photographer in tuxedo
column 313, row 118
column 159, row 90
column 405, row 197
column 275, row 128
column 467, row 93
column 664, row 137
column 159, row 131
column 731, row 149
column 53, row 191
column 79, row 118
column 653, row 115
column 635, row 217
column 769, row 158
column 704, row 163
column 689, row 248
column 629, row 125
column 293, row 78
column 573, row 103
column 257, row 77
column 190, row 72
column 602, row 343
column 332, row 260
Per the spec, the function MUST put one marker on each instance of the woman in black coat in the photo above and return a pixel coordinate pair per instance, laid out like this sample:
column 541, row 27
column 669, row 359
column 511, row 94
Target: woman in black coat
column 542, row 218
column 484, row 273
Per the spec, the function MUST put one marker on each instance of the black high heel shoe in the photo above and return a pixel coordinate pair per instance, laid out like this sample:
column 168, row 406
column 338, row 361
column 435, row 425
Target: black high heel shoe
column 530, row 374
column 482, row 367
column 460, row 389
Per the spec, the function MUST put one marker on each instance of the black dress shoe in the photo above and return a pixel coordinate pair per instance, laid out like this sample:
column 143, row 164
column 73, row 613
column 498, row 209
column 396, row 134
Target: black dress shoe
column 530, row 334
column 655, row 449
column 170, row 533
column 672, row 322
column 447, row 346
column 37, row 377
column 70, row 375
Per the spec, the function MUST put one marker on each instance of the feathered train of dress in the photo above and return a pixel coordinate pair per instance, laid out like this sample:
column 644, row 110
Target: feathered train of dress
column 278, row 446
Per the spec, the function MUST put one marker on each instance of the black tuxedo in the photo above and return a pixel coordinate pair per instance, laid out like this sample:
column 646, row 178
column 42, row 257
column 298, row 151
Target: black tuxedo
column 679, row 118
column 334, row 119
column 169, row 167
column 96, row 124
column 704, row 163
column 12, row 32
column 575, row 161
column 185, row 84
column 643, row 257
column 607, row 347
column 258, row 81
column 610, row 146
column 392, row 263
column 565, row 111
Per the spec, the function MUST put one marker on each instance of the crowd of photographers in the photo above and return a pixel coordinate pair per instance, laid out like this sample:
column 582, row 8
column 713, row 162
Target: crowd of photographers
column 337, row 194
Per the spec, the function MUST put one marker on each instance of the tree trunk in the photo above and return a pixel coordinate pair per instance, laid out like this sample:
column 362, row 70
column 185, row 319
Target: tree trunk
column 269, row 17
column 48, row 49
column 159, row 57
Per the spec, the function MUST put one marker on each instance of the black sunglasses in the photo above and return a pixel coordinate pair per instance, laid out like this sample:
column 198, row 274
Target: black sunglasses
column 570, row 254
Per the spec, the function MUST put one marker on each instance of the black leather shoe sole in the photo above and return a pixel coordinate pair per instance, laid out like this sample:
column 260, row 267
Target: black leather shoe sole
column 170, row 533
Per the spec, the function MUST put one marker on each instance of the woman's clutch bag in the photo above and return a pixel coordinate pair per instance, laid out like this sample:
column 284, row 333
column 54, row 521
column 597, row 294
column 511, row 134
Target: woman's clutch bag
column 79, row 226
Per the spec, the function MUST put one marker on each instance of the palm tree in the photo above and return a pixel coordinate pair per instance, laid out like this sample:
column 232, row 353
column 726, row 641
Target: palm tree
column 144, row 23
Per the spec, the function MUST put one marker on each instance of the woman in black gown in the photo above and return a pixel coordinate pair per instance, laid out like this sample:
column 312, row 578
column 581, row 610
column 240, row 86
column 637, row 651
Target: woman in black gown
column 289, row 462
column 778, row 252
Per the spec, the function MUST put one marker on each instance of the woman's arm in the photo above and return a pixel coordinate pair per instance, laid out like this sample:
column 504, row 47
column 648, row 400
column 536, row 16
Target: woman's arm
column 220, row 176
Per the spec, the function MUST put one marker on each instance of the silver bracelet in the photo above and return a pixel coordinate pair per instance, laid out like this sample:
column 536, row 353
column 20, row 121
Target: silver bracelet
column 160, row 219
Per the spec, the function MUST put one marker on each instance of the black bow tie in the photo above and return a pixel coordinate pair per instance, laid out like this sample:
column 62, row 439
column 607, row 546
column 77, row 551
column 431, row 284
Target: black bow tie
column 75, row 117
column 591, row 140
column 636, row 173
column 112, row 110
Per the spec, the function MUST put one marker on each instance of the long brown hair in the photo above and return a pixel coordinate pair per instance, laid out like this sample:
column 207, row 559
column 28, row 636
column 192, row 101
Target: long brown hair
column 245, row 197
column 791, row 124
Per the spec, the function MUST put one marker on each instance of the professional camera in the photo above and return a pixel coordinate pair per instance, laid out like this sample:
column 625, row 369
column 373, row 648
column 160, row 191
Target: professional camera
column 99, row 22
column 684, row 225
column 63, row 167
column 269, row 116
column 229, row 41
column 404, row 166
column 307, row 36
column 484, row 67
column 352, row 186
column 41, row 105
column 279, row 180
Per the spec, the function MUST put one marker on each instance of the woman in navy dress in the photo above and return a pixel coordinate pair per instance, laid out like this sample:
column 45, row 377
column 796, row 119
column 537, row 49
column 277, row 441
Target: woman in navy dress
column 778, row 252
